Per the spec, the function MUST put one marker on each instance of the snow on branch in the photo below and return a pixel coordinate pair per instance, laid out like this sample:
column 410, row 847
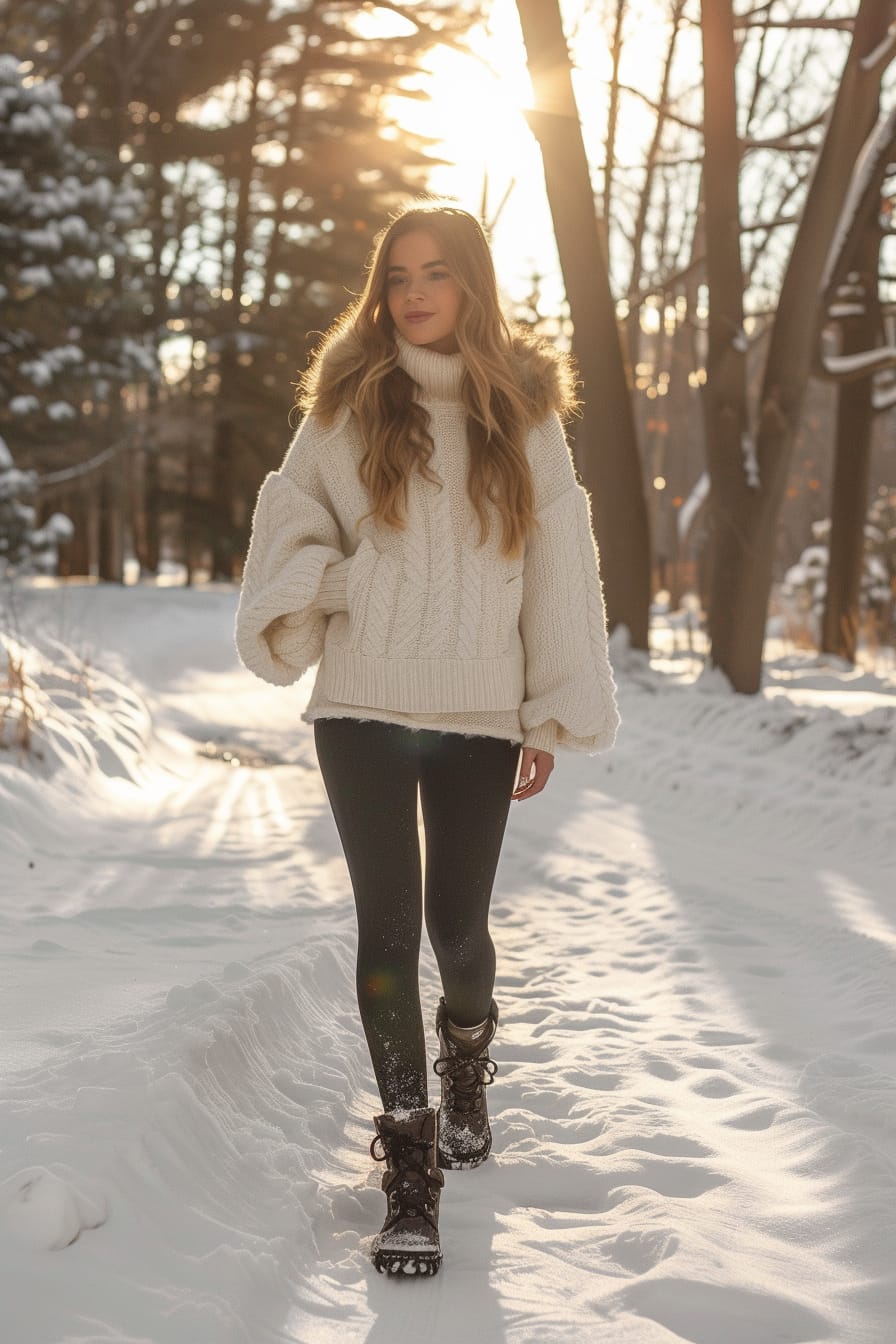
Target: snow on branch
column 884, row 398
column 878, row 146
column 883, row 53
column 751, row 461
column 83, row 468
column 692, row 505
column 847, row 368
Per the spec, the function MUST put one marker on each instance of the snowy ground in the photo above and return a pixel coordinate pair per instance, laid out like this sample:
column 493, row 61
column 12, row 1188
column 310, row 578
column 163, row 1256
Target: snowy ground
column 695, row 1115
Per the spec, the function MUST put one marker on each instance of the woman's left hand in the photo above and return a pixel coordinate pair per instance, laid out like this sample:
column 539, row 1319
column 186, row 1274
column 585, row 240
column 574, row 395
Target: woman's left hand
column 542, row 763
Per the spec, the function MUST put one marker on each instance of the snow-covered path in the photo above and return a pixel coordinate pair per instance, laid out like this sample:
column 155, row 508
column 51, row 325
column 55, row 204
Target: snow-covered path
column 695, row 1114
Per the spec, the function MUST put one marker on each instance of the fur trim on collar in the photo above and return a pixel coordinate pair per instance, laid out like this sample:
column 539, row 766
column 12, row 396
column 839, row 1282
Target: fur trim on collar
column 545, row 374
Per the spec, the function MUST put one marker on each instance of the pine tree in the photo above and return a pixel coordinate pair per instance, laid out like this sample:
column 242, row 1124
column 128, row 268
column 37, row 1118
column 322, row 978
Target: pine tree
column 24, row 545
column 807, row 580
column 63, row 356
column 259, row 136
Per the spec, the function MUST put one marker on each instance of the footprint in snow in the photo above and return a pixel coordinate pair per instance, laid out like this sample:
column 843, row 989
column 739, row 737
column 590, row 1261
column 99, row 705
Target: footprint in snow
column 759, row 1117
column 662, row 1068
column 46, row 1212
column 690, row 1309
column 639, row 1251
column 45, row 947
column 710, row 1037
column 716, row 1085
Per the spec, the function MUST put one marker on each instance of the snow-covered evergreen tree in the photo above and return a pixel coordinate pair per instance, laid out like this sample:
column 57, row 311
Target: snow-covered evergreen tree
column 23, row 545
column 64, row 348
column 880, row 553
column 807, row 579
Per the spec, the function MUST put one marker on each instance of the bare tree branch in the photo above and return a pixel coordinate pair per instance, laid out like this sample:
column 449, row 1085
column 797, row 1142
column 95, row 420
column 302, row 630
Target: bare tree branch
column 613, row 114
column 84, row 468
column 844, row 25
column 808, row 147
column 780, row 141
column 761, row 225
column 658, row 108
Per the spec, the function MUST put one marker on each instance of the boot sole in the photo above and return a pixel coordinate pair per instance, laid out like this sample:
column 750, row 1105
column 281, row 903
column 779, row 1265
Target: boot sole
column 404, row 1264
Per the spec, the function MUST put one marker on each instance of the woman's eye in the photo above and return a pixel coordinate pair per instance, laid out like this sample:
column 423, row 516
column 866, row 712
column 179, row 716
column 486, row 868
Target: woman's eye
column 393, row 281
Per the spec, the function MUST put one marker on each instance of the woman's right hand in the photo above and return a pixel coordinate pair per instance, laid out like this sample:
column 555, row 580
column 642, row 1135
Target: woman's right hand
column 537, row 763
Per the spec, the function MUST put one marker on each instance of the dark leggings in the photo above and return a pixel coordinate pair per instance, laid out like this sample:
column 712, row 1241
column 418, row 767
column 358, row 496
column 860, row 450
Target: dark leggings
column 371, row 772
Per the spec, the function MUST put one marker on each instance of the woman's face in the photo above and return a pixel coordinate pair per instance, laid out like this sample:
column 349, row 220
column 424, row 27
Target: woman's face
column 422, row 295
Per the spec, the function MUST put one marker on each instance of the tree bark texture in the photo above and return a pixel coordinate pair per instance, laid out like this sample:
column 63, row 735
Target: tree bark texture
column 605, row 438
column 745, row 519
column 731, row 497
column 852, row 466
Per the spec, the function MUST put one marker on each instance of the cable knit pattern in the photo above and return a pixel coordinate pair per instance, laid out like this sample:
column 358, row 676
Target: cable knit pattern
column 423, row 627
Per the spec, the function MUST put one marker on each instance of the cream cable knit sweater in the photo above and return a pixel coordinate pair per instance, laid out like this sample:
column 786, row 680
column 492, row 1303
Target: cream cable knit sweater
column 423, row 627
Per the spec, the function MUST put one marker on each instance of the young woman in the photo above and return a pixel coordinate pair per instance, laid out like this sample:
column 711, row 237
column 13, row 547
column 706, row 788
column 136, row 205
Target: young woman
column 427, row 540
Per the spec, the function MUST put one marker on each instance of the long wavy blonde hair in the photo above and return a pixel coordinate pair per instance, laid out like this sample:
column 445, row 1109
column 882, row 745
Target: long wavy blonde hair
column 357, row 363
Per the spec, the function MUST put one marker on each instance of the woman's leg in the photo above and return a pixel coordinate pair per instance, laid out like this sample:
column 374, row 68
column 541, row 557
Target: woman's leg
column 465, row 788
column 370, row 771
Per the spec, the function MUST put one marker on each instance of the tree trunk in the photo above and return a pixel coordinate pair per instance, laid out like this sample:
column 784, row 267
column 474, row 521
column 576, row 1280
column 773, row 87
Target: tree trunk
column 223, row 477
column 151, row 537
column 74, row 555
column 852, row 467
column 732, row 496
column 605, row 437
column 223, row 522
column 745, row 518
column 110, row 563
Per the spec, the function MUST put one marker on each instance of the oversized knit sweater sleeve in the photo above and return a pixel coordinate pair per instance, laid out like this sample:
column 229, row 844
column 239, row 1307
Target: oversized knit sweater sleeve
column 295, row 572
column 570, row 691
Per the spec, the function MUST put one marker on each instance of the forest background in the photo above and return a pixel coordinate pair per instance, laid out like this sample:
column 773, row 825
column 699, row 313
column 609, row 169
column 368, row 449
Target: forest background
column 698, row 199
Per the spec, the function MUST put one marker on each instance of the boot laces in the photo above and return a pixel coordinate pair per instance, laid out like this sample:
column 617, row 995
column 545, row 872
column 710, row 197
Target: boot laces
column 411, row 1193
column 466, row 1077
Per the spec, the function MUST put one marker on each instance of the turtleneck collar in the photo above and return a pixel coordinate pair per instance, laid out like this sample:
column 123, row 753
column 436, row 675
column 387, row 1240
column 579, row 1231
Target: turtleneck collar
column 439, row 376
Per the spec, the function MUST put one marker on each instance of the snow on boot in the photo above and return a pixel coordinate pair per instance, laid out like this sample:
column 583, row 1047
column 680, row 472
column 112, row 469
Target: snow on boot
column 409, row 1240
column 465, row 1138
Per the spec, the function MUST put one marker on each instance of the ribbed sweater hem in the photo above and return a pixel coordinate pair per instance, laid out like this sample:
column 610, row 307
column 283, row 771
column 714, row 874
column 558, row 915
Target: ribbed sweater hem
column 424, row 684
column 433, row 724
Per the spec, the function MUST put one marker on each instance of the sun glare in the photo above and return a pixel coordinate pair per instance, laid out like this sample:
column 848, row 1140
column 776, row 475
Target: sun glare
column 476, row 114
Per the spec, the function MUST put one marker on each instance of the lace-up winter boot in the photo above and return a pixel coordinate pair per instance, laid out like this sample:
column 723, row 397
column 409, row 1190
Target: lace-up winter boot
column 465, row 1138
column 409, row 1240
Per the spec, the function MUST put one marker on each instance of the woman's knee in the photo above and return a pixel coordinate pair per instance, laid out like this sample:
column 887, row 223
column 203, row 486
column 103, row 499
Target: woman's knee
column 458, row 948
column 381, row 981
column 387, row 963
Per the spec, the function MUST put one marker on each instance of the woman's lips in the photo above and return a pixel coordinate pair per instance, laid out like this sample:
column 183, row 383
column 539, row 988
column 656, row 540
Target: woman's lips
column 417, row 317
